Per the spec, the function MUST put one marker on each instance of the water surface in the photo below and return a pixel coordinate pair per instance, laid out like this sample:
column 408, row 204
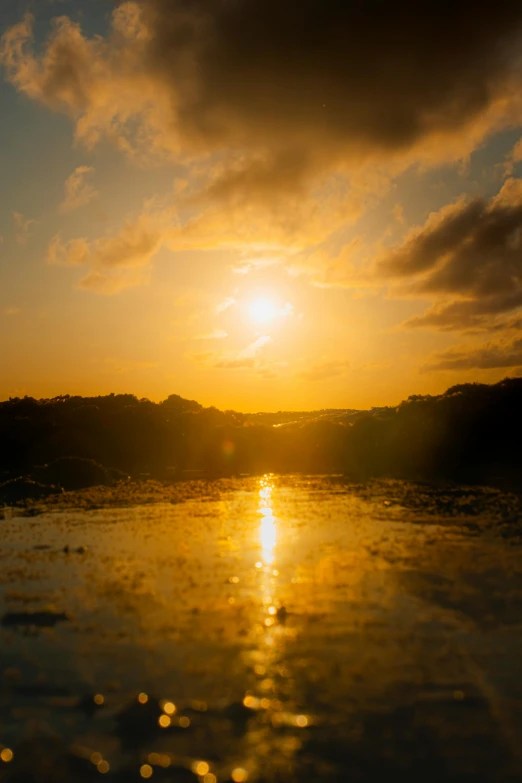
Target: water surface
column 265, row 629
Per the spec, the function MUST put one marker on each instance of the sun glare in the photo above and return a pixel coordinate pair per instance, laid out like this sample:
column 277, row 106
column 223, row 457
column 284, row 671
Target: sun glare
column 262, row 310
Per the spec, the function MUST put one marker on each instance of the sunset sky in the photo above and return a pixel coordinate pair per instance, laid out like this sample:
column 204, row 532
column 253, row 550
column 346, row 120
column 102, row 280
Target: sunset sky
column 259, row 204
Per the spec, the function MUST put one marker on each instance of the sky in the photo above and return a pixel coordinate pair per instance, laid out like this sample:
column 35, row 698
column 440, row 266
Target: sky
column 259, row 205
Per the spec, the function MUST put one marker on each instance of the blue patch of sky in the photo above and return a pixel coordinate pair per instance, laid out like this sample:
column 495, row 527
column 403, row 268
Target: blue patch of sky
column 36, row 152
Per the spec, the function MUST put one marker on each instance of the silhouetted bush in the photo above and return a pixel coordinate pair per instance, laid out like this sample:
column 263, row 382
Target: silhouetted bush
column 470, row 433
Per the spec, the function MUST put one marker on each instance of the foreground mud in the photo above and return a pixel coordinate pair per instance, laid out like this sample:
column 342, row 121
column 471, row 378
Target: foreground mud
column 273, row 629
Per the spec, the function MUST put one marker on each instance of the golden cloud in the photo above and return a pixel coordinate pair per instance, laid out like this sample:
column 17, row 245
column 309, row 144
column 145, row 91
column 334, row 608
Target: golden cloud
column 246, row 358
column 116, row 261
column 22, row 227
column 78, row 192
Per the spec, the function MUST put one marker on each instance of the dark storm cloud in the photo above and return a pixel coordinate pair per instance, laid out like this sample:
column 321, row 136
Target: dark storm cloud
column 440, row 236
column 288, row 89
column 468, row 256
column 471, row 314
column 486, row 357
column 368, row 75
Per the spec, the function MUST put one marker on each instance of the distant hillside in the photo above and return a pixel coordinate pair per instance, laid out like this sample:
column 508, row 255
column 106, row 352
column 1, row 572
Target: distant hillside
column 470, row 433
column 282, row 418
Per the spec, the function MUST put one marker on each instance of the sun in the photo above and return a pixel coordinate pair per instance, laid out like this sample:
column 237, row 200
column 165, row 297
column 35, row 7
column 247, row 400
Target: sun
column 262, row 310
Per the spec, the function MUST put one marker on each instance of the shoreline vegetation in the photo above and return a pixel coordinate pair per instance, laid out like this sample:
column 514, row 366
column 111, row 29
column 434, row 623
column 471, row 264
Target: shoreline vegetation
column 470, row 434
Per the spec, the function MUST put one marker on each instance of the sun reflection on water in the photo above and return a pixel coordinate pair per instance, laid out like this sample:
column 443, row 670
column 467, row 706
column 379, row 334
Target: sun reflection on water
column 268, row 530
column 270, row 694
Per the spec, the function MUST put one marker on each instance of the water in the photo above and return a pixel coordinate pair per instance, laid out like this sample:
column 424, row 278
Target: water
column 265, row 629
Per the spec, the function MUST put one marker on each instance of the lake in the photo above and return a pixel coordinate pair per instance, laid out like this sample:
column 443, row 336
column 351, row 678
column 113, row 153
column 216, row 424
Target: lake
column 274, row 628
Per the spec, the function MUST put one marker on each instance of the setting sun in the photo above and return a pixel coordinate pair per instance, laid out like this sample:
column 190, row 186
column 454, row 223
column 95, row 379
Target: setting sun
column 262, row 310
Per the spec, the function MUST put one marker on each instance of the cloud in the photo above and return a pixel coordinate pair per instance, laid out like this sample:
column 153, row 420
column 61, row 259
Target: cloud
column 78, row 192
column 225, row 304
column 275, row 227
column 467, row 257
column 287, row 119
column 76, row 252
column 490, row 356
column 134, row 246
column 110, row 284
column 255, row 346
column 98, row 83
column 117, row 261
column 277, row 230
column 246, row 358
column 398, row 214
column 325, row 370
column 514, row 157
column 254, row 264
column 23, row 227
column 346, row 268
column 280, row 94
column 469, row 314
column 268, row 185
